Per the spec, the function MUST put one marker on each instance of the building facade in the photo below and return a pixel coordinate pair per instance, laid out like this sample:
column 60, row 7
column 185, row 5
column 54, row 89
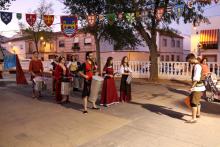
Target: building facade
column 59, row 45
column 170, row 47
column 205, row 39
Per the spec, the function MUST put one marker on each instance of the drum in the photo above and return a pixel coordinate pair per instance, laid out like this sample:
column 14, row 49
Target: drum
column 38, row 83
column 218, row 85
column 95, row 88
column 65, row 88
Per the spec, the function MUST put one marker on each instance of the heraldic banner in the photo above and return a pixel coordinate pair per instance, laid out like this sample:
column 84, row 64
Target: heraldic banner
column 69, row 25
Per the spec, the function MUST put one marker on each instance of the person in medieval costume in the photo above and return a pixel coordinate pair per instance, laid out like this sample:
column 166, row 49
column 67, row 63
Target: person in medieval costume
column 196, row 89
column 125, row 87
column 61, row 74
column 87, row 72
column 36, row 69
column 109, row 93
column 54, row 63
column 74, row 66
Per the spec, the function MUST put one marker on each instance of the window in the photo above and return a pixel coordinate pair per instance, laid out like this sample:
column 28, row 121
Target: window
column 167, row 58
column 61, row 43
column 178, row 43
column 172, row 43
column 164, row 42
column 162, row 58
column 172, row 57
column 88, row 41
column 68, row 57
column 178, row 58
column 75, row 47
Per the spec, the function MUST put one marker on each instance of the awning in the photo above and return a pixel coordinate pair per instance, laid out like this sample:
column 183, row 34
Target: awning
column 209, row 36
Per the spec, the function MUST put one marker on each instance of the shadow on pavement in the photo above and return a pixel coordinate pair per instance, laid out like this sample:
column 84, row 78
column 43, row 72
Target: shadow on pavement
column 71, row 104
column 162, row 110
column 183, row 92
column 207, row 107
column 181, row 82
column 26, row 91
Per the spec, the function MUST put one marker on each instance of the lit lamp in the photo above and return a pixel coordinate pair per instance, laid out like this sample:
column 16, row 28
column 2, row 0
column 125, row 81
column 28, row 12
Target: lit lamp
column 41, row 38
column 11, row 47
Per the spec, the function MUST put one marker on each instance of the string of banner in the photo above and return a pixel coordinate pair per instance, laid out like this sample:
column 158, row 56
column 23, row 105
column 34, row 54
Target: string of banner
column 69, row 24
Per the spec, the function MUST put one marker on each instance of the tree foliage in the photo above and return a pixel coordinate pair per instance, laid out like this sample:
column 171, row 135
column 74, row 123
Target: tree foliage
column 145, row 26
column 121, row 35
column 5, row 4
column 148, row 26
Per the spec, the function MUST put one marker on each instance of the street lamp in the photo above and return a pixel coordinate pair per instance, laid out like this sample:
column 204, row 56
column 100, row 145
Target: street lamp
column 41, row 38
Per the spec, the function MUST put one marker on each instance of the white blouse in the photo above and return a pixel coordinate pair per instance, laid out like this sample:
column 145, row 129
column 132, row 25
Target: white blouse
column 197, row 77
column 123, row 68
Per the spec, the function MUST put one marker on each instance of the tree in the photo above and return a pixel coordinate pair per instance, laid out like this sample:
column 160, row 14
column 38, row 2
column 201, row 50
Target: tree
column 4, row 4
column 102, row 30
column 39, row 30
column 148, row 25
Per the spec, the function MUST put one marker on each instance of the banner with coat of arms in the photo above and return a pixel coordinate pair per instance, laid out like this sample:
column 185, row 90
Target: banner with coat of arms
column 69, row 25
column 19, row 16
column 48, row 20
column 31, row 19
column 6, row 17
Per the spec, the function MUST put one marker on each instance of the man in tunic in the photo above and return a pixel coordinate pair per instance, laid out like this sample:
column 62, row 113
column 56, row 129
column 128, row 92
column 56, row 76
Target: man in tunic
column 35, row 69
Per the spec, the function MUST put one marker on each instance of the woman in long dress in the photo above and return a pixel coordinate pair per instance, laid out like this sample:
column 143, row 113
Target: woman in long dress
column 125, row 88
column 61, row 73
column 109, row 94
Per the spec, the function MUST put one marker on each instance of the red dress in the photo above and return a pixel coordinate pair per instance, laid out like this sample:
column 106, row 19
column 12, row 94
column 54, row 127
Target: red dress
column 58, row 74
column 109, row 92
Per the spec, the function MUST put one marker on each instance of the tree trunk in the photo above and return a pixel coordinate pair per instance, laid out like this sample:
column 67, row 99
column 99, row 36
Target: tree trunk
column 36, row 45
column 35, row 41
column 153, row 57
column 154, row 63
column 98, row 58
column 151, row 42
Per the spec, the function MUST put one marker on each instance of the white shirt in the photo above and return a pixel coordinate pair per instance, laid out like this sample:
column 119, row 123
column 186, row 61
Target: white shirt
column 197, row 76
column 122, row 69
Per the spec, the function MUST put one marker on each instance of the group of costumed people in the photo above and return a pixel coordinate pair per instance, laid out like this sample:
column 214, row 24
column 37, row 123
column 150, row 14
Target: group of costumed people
column 83, row 73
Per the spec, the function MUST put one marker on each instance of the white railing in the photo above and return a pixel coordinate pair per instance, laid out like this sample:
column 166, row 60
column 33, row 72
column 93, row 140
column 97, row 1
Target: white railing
column 141, row 69
column 166, row 70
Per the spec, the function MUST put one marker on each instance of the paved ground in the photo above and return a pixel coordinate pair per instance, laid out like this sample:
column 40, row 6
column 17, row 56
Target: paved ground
column 155, row 118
